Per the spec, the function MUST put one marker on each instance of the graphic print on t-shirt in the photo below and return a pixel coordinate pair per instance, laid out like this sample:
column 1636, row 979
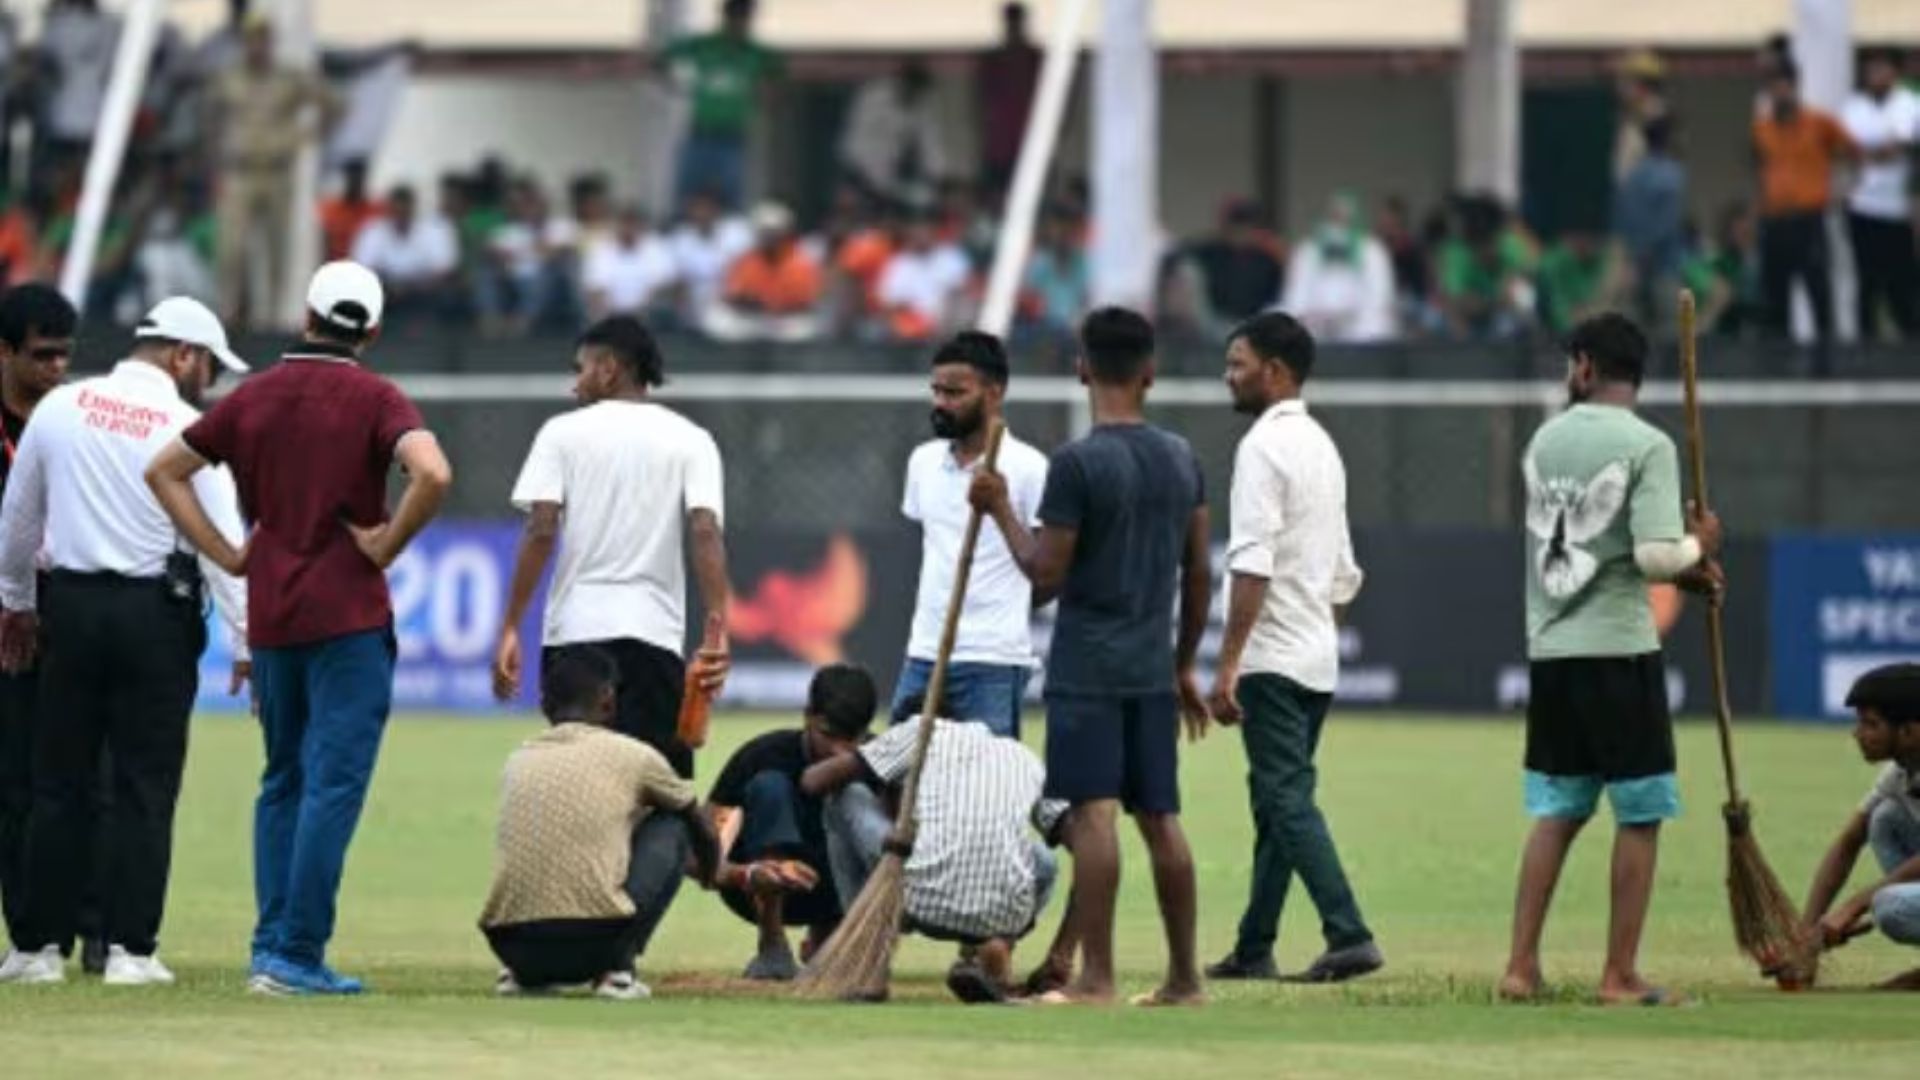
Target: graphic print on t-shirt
column 1566, row 515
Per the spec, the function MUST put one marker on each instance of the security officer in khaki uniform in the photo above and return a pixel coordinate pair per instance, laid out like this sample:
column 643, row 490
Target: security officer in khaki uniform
column 260, row 120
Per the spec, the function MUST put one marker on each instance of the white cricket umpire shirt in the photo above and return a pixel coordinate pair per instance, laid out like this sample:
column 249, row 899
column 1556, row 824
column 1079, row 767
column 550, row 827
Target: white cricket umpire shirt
column 1289, row 508
column 626, row 475
column 996, row 619
column 79, row 490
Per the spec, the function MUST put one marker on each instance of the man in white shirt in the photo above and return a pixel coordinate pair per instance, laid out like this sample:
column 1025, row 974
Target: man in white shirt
column 1292, row 567
column 921, row 282
column 77, row 43
column 628, row 274
column 993, row 652
column 612, row 485
column 1883, row 117
column 124, row 633
column 415, row 256
column 704, row 247
column 1340, row 282
column 891, row 145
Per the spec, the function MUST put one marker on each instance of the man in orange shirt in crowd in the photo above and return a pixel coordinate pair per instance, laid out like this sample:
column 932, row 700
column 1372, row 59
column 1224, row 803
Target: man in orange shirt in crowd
column 342, row 215
column 1796, row 148
column 771, row 291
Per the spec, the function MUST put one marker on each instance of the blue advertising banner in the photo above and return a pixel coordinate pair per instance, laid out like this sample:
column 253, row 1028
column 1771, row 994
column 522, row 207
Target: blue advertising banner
column 449, row 594
column 1841, row 605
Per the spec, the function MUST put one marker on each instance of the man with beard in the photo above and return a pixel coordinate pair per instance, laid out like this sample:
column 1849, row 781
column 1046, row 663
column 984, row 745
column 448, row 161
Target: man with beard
column 993, row 652
column 124, row 604
column 1603, row 519
column 1293, row 573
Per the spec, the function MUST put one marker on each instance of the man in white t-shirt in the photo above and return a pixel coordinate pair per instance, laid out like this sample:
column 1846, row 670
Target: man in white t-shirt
column 77, row 43
column 414, row 255
column 1884, row 119
column 704, row 247
column 993, row 653
column 628, row 274
column 922, row 282
column 611, row 485
column 1886, row 704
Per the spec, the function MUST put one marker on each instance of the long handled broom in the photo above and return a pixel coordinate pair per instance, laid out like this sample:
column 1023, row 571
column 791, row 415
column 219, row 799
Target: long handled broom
column 1766, row 922
column 856, row 963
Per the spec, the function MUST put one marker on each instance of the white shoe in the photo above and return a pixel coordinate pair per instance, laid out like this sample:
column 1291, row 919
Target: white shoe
column 35, row 968
column 508, row 986
column 621, row 986
column 126, row 969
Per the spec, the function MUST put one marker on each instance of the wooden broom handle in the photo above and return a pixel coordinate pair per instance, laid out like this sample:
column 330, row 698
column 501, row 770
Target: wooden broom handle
column 908, row 823
column 1697, row 465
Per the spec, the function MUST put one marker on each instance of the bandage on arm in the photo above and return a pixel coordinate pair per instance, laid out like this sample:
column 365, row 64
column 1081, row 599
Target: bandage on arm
column 1664, row 560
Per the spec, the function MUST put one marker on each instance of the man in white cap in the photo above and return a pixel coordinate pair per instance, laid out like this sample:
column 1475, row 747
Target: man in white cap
column 311, row 443
column 125, row 617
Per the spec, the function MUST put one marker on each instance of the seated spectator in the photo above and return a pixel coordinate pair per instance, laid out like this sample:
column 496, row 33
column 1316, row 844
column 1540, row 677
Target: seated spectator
column 1649, row 219
column 595, row 833
column 704, row 248
column 415, row 256
column 632, row 273
column 776, row 871
column 20, row 259
column 169, row 260
column 527, row 274
column 978, row 874
column 1241, row 267
column 1058, row 284
column 590, row 214
column 1412, row 266
column 854, row 288
column 920, row 289
column 1340, row 282
column 966, row 223
column 1485, row 272
column 345, row 213
column 771, row 292
column 1726, row 277
column 1574, row 280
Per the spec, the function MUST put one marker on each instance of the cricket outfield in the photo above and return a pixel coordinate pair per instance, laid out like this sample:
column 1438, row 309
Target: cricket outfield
column 1426, row 813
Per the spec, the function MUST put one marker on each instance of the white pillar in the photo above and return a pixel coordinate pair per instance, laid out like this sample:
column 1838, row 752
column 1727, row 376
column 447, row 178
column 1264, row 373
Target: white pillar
column 128, row 78
column 1126, row 164
column 1823, row 48
column 1488, row 105
column 662, row 21
column 294, row 37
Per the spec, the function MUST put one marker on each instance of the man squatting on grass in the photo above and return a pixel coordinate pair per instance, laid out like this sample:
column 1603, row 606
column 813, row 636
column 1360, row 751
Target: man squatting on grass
column 1886, row 704
column 1123, row 534
column 977, row 875
column 1293, row 570
column 1603, row 520
column 595, row 834
column 777, row 871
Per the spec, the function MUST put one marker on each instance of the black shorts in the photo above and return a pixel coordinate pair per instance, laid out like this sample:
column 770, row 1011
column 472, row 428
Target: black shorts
column 653, row 682
column 1603, row 717
column 1125, row 748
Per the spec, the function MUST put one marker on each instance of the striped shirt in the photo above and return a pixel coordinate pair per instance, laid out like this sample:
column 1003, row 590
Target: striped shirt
column 971, row 871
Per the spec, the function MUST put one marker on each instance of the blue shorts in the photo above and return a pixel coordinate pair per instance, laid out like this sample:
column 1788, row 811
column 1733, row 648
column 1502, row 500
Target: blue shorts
column 1642, row 800
column 1125, row 748
column 991, row 694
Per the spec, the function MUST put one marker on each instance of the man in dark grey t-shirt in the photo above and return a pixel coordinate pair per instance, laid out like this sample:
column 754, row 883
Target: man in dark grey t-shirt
column 1123, row 530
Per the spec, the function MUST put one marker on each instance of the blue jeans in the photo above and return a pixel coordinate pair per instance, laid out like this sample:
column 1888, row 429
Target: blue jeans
column 323, row 708
column 1895, row 836
column 711, row 163
column 990, row 694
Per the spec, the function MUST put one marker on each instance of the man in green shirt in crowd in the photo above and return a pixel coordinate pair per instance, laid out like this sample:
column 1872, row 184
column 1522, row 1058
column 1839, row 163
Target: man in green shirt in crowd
column 723, row 72
column 1603, row 520
column 1573, row 279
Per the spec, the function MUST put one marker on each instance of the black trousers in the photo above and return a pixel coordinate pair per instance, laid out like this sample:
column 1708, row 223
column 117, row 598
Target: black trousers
column 565, row 952
column 1889, row 272
column 653, row 682
column 1793, row 247
column 119, row 674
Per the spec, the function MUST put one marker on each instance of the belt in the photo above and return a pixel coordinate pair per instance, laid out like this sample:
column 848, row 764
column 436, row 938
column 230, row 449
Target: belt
column 102, row 579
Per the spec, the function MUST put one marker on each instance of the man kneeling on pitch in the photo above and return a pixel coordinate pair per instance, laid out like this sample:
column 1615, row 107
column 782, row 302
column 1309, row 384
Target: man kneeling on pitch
column 977, row 874
column 596, row 831
column 776, row 872
column 1886, row 703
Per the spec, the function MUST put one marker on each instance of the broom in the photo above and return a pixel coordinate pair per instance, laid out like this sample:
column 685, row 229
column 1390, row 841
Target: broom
column 856, row 963
column 1766, row 923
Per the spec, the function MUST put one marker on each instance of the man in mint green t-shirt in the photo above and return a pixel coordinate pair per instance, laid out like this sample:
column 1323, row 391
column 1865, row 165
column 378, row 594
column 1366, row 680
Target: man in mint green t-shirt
column 1603, row 521
column 722, row 72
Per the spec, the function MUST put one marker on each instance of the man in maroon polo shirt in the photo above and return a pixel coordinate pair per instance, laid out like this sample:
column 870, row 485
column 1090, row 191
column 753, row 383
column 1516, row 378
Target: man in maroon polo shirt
column 310, row 443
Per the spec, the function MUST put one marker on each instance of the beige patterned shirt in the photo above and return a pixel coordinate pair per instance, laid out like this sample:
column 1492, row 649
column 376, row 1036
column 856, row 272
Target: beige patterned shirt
column 569, row 803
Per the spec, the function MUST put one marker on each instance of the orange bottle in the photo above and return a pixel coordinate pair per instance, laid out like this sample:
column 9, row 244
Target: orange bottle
column 696, row 704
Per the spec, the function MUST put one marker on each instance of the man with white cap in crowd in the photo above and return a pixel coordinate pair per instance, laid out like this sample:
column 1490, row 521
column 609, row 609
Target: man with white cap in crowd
column 125, row 628
column 311, row 443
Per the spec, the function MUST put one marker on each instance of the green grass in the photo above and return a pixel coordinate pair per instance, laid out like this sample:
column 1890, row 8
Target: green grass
column 1426, row 813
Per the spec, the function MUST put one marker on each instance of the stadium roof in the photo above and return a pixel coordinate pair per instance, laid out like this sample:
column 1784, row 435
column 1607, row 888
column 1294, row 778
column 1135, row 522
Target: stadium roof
column 1242, row 25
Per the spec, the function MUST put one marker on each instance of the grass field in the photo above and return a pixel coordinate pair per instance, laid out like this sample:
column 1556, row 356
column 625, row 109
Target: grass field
column 1426, row 813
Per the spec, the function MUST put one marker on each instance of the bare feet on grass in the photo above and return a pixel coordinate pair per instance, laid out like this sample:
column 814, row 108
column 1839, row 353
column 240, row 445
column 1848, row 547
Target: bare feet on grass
column 1172, row 996
column 1633, row 990
column 1521, row 986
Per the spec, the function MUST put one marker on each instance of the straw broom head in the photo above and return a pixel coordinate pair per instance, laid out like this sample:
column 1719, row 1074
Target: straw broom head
column 857, row 961
column 1766, row 924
